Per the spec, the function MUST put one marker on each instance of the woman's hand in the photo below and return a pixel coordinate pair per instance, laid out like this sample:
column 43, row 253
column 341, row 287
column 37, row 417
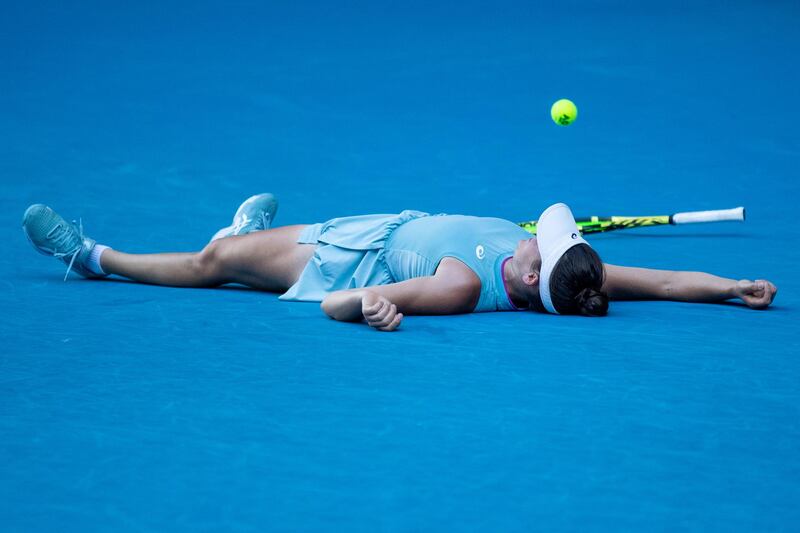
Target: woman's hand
column 756, row 294
column 379, row 312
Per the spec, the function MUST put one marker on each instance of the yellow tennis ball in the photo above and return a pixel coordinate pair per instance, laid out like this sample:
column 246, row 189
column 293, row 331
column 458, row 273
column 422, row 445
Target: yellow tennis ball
column 564, row 112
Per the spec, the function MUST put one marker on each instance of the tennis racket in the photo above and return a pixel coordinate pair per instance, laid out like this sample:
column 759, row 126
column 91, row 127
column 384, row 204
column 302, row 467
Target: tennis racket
column 602, row 224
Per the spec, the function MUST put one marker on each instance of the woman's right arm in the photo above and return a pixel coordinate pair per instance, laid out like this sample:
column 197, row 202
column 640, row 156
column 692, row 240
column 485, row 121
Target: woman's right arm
column 628, row 283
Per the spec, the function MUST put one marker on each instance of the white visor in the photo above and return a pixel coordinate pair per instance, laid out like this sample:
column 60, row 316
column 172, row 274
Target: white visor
column 556, row 232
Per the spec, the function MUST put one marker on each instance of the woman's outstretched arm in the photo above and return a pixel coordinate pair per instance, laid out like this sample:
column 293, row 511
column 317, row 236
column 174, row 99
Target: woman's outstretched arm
column 629, row 283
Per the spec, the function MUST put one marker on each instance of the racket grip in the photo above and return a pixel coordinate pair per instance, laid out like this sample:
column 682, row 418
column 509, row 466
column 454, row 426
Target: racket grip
column 736, row 214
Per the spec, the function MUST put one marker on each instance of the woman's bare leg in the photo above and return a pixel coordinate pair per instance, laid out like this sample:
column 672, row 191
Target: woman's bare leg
column 269, row 260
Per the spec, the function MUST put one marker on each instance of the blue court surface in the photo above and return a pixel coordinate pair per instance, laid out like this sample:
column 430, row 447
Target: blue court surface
column 126, row 407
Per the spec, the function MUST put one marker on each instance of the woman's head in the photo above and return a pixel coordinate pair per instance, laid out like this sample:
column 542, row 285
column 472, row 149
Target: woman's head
column 576, row 283
column 564, row 275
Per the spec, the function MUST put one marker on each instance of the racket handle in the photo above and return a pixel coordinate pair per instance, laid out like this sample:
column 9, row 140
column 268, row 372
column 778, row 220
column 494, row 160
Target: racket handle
column 736, row 214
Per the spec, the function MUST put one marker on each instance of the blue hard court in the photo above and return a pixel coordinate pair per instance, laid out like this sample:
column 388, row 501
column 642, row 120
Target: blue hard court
column 126, row 407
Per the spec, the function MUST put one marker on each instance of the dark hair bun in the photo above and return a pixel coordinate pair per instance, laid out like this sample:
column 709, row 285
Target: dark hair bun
column 591, row 302
column 576, row 283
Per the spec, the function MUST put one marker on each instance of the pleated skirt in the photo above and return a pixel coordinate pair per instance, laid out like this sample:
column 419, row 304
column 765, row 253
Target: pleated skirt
column 349, row 255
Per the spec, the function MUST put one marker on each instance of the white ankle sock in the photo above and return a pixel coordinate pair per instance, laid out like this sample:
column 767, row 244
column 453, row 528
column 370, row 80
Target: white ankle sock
column 93, row 261
column 224, row 232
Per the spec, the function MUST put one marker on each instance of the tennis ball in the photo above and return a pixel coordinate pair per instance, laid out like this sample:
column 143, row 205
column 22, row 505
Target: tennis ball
column 564, row 112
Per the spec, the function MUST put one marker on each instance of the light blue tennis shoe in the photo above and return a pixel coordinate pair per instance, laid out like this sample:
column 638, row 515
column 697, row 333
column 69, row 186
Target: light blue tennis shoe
column 255, row 214
column 51, row 235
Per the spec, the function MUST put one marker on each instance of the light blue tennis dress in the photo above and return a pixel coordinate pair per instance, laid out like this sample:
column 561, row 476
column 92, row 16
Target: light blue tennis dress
column 363, row 251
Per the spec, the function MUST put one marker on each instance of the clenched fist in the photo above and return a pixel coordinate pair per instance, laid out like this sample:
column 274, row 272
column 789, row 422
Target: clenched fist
column 756, row 294
column 379, row 312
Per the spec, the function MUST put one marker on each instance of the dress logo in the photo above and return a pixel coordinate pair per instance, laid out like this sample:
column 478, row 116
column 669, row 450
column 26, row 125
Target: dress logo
column 574, row 235
column 480, row 253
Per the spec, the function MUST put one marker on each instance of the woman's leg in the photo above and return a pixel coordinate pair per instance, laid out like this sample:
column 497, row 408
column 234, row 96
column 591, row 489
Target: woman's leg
column 268, row 260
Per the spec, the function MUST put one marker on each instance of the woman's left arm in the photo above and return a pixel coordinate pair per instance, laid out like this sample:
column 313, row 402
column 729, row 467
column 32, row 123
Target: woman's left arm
column 628, row 283
column 453, row 289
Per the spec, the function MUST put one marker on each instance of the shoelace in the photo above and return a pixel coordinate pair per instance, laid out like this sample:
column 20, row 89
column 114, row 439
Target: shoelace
column 264, row 218
column 60, row 239
column 239, row 225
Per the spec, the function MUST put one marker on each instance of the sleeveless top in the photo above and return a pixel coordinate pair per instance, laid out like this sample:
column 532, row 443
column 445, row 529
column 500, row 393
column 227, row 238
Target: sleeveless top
column 417, row 247
column 368, row 250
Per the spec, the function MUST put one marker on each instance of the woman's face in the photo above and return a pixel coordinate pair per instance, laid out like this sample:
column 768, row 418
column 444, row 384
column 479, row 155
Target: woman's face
column 529, row 263
column 527, row 255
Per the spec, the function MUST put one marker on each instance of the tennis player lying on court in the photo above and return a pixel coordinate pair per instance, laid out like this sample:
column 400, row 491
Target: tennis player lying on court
column 378, row 268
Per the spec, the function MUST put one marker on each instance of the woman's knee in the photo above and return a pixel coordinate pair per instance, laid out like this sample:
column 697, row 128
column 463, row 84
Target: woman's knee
column 212, row 261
